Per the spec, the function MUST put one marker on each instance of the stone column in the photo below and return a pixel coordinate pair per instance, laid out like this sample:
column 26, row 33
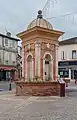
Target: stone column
column 70, row 73
column 37, row 59
column 23, row 75
column 56, row 62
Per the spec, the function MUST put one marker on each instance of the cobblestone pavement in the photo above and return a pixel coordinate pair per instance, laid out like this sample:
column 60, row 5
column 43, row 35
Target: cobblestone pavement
column 14, row 107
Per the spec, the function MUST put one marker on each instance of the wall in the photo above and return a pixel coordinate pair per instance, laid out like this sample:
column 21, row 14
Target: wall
column 67, row 50
column 0, row 41
column 8, row 52
column 1, row 56
column 10, row 57
column 38, row 89
column 20, row 50
column 11, row 44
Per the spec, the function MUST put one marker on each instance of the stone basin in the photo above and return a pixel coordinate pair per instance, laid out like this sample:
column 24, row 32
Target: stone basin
column 38, row 88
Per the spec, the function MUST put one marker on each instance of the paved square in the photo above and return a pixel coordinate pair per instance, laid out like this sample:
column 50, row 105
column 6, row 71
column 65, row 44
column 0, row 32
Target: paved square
column 14, row 107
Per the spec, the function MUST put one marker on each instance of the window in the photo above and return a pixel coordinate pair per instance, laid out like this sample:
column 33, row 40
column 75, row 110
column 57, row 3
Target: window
column 62, row 55
column 13, row 44
column 13, row 62
column 73, row 54
column 10, row 58
column 13, row 58
column 6, row 56
column 10, row 43
column 6, row 61
column 6, row 41
column 0, row 40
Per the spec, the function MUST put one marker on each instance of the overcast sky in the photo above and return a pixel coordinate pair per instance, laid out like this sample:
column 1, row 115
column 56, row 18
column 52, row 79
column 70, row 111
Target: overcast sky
column 15, row 15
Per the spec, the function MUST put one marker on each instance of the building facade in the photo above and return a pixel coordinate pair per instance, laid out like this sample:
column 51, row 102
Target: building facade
column 8, row 57
column 68, row 58
column 19, row 61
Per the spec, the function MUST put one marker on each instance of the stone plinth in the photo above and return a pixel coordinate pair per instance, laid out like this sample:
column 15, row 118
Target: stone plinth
column 38, row 89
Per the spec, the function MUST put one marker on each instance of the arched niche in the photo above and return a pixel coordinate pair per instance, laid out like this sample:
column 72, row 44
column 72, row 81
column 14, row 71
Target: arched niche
column 30, row 68
column 47, row 67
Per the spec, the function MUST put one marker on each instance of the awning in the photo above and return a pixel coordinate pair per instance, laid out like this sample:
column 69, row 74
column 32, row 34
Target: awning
column 7, row 68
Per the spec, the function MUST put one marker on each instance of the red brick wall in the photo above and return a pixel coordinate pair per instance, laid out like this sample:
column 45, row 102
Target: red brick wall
column 38, row 89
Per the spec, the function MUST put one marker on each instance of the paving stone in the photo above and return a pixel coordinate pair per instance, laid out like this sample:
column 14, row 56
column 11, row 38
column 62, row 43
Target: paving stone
column 14, row 107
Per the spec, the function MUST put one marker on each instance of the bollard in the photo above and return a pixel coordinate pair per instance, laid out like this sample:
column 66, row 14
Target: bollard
column 62, row 90
column 10, row 87
column 62, row 87
column 66, row 84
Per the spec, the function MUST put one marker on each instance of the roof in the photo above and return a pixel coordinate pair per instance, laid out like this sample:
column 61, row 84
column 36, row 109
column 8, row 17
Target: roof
column 69, row 41
column 40, row 29
column 12, row 38
column 40, row 22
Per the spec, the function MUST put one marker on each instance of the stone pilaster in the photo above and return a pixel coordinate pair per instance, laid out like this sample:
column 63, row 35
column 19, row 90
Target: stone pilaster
column 56, row 62
column 37, row 59
column 23, row 75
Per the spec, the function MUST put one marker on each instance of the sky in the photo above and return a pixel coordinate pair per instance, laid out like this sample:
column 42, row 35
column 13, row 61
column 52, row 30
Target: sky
column 15, row 15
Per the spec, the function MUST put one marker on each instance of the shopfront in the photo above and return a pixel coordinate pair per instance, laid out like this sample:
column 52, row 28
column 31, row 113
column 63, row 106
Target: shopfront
column 7, row 73
column 67, row 69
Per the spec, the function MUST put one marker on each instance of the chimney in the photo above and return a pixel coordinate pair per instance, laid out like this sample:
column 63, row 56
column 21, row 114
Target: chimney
column 8, row 34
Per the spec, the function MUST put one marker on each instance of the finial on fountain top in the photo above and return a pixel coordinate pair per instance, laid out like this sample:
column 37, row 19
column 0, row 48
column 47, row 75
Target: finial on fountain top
column 39, row 16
